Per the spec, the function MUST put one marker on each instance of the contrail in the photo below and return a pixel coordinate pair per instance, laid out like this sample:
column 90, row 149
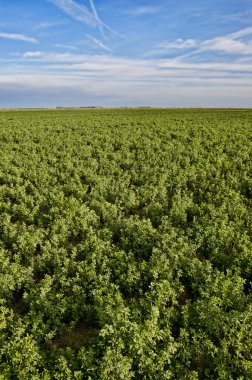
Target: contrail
column 76, row 11
column 82, row 13
column 101, row 24
column 97, row 18
column 100, row 44
column 113, row 31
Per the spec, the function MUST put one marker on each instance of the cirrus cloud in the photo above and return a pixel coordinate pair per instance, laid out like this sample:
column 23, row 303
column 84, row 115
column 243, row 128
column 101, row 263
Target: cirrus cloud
column 18, row 37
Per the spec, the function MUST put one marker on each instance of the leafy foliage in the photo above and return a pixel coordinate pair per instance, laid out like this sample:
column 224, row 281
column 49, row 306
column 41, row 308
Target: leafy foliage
column 125, row 244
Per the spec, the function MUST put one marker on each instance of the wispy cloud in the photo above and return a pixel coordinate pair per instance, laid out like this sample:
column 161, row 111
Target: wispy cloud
column 135, row 67
column 33, row 54
column 241, row 33
column 231, row 43
column 144, row 10
column 63, row 46
column 97, row 18
column 18, row 37
column 227, row 45
column 120, row 80
column 77, row 11
column 178, row 44
column 49, row 24
column 241, row 17
column 100, row 44
column 82, row 13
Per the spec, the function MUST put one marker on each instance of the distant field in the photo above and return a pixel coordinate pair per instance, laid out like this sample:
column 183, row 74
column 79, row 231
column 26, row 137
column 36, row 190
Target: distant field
column 126, row 244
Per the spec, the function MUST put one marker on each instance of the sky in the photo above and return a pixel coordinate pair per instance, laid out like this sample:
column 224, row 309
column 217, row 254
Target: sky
column 115, row 53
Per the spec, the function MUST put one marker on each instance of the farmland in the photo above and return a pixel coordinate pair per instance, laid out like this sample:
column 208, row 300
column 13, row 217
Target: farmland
column 126, row 244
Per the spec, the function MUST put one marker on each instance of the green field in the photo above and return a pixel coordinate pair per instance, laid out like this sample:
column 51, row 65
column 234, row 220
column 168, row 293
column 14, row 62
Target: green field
column 126, row 244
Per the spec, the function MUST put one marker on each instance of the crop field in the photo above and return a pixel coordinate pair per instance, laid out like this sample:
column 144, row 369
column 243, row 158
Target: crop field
column 126, row 244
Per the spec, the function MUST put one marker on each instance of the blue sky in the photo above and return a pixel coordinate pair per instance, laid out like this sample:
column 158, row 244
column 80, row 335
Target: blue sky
column 114, row 53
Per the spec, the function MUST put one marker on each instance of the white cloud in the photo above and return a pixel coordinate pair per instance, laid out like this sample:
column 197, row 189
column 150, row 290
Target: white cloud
column 200, row 67
column 178, row 44
column 227, row 45
column 33, row 54
column 241, row 17
column 144, row 10
column 53, row 57
column 135, row 67
column 100, row 44
column 63, row 46
column 18, row 37
column 230, row 44
column 241, row 33
column 81, row 13
column 77, row 11
column 97, row 18
column 118, row 90
column 119, row 80
column 178, row 81
column 49, row 24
